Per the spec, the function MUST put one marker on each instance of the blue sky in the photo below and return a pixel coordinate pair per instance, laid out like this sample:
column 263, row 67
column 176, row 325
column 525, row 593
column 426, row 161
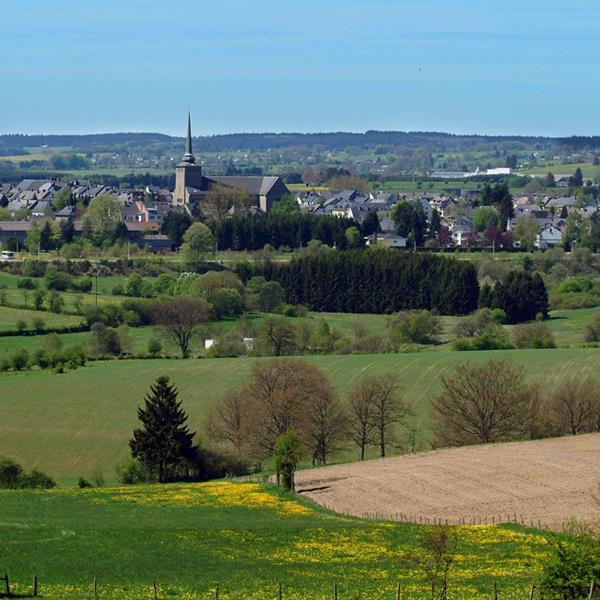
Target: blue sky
column 463, row 66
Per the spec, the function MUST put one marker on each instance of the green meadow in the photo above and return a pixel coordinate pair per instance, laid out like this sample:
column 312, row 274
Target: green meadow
column 74, row 423
column 245, row 538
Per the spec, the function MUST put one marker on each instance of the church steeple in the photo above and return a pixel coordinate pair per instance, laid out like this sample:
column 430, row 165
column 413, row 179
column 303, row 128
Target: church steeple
column 189, row 156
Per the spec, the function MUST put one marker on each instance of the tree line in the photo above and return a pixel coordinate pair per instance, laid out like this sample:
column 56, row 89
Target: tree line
column 380, row 281
column 294, row 230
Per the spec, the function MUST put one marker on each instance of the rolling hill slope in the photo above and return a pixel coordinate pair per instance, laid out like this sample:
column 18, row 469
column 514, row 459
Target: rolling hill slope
column 71, row 424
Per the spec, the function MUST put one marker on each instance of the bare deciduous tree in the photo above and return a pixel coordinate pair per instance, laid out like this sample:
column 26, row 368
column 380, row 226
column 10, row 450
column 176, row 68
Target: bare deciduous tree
column 387, row 409
column 360, row 423
column 278, row 393
column 483, row 404
column 179, row 320
column 277, row 336
column 229, row 421
column 324, row 421
column 374, row 407
column 575, row 406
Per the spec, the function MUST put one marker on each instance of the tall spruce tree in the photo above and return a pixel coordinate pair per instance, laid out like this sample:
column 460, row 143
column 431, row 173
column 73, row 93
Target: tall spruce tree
column 164, row 442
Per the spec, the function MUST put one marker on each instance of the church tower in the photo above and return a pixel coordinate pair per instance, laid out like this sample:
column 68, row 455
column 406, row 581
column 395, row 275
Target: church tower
column 187, row 173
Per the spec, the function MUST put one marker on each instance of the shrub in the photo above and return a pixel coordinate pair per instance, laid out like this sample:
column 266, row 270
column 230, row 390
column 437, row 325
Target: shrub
column 154, row 347
column 574, row 562
column 37, row 480
column 56, row 302
column 21, row 325
column 82, row 284
column 164, row 285
column 26, row 283
column 12, row 476
column 227, row 302
column 416, row 327
column 84, row 483
column 105, row 341
column 492, row 337
column 533, row 335
column 108, row 314
column 19, row 359
column 138, row 311
column 228, row 345
column 592, row 329
column 38, row 324
column 470, row 325
column 575, row 284
column 55, row 280
column 132, row 471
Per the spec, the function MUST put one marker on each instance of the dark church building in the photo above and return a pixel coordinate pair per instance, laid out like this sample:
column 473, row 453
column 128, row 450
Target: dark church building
column 191, row 186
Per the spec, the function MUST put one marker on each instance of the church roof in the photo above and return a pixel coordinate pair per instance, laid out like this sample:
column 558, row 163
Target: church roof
column 254, row 184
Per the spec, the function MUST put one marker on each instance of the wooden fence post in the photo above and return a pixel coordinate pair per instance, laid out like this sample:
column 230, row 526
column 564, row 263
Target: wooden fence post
column 217, row 592
column 7, row 585
column 495, row 591
column 280, row 592
column 95, row 588
column 335, row 591
column 35, row 586
column 531, row 592
column 591, row 589
column 155, row 590
column 398, row 591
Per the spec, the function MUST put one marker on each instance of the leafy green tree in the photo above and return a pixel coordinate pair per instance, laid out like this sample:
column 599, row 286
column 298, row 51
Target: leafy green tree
column 572, row 231
column 526, row 231
column 67, row 230
column 198, row 242
column 500, row 197
column 227, row 302
column 435, row 223
column 287, row 455
column 46, row 237
column 353, row 237
column 410, row 221
column 521, row 295
column 577, row 178
column 549, row 181
column 102, row 217
column 164, row 442
column 174, row 225
column 286, row 205
column 33, row 238
column 62, row 198
column 485, row 216
column 370, row 224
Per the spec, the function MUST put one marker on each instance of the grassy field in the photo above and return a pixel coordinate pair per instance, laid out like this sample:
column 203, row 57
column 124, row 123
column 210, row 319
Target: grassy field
column 10, row 316
column 74, row 423
column 247, row 538
column 562, row 169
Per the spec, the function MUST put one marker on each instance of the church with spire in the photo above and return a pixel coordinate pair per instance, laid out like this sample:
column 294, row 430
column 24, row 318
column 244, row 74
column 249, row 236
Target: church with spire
column 192, row 187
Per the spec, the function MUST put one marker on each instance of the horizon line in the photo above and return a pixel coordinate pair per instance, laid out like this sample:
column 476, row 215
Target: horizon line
column 314, row 132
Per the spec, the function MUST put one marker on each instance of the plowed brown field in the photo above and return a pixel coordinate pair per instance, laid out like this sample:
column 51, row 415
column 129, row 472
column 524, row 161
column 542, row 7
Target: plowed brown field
column 543, row 482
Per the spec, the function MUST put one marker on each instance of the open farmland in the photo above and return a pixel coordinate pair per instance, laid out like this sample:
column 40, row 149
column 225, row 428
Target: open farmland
column 544, row 481
column 72, row 424
column 247, row 538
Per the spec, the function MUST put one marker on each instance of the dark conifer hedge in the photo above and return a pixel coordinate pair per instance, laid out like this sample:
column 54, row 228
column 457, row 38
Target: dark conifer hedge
column 279, row 229
column 375, row 281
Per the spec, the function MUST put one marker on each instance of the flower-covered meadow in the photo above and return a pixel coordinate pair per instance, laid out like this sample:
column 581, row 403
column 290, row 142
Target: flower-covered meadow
column 247, row 538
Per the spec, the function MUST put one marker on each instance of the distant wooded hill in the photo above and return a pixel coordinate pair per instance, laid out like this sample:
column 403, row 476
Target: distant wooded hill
column 323, row 141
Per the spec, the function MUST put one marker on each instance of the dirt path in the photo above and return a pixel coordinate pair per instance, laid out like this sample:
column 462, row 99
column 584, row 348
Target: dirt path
column 542, row 482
